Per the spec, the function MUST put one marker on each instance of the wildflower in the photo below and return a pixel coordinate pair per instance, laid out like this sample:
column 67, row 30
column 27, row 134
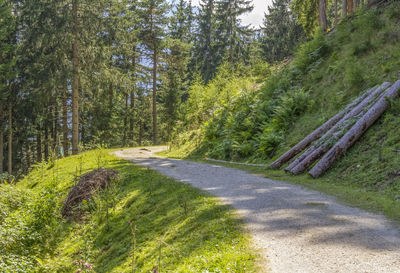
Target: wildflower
column 88, row 265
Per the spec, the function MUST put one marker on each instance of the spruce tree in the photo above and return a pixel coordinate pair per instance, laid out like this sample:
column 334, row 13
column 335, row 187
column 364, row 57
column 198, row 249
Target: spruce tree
column 7, row 76
column 280, row 32
column 205, row 57
column 153, row 22
column 174, row 76
column 231, row 34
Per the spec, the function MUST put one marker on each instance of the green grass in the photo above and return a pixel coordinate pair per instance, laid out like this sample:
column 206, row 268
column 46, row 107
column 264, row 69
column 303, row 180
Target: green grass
column 178, row 228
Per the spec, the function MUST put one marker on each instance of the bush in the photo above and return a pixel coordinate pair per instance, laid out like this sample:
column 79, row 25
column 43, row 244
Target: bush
column 311, row 52
column 354, row 74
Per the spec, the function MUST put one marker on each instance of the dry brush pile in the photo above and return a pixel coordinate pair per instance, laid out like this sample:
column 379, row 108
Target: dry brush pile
column 339, row 133
column 88, row 184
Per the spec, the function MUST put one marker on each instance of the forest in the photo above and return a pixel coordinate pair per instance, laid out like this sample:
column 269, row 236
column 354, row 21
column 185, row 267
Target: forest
column 212, row 113
column 76, row 74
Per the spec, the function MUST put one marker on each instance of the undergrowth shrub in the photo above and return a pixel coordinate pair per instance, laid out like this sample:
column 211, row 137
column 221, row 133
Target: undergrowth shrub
column 393, row 13
column 19, row 230
column 250, row 127
column 288, row 107
column 367, row 21
column 354, row 74
column 309, row 55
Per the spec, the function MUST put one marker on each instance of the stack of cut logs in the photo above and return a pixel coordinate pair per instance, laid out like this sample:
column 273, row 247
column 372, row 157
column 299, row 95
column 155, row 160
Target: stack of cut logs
column 335, row 136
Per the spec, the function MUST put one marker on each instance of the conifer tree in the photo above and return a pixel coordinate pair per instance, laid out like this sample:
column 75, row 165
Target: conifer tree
column 205, row 58
column 153, row 15
column 174, row 76
column 7, row 76
column 307, row 14
column 231, row 34
column 75, row 79
column 280, row 31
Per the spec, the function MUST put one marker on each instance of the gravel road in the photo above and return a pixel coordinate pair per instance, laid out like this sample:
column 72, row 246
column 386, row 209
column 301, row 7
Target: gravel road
column 296, row 229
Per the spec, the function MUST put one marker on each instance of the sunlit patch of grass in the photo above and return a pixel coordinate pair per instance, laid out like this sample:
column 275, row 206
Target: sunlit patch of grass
column 177, row 228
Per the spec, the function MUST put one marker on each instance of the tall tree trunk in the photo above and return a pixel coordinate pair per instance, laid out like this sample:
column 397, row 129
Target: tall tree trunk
column 354, row 5
column 126, row 117
column 230, row 43
column 75, row 83
column 38, row 144
column 28, row 154
column 155, row 97
column 65, row 123
column 10, row 137
column 83, row 132
column 46, row 140
column 336, row 12
column 1, row 141
column 140, row 132
column 350, row 6
column 132, row 101
column 1, row 151
column 50, row 126
column 55, row 126
column 131, row 116
column 110, row 96
column 344, row 8
column 322, row 15
column 169, row 131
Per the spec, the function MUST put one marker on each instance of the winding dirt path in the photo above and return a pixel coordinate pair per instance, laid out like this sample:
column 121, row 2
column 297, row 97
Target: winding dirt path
column 298, row 230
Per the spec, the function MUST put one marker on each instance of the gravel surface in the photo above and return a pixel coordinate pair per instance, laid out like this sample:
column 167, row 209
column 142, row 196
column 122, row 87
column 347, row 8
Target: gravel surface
column 297, row 230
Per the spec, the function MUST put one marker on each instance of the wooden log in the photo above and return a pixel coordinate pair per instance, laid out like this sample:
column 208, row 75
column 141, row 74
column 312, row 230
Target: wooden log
column 300, row 158
column 317, row 133
column 356, row 131
column 317, row 150
column 320, row 150
column 366, row 96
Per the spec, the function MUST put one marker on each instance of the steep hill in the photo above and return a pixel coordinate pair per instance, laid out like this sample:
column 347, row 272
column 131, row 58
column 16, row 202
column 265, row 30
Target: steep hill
column 141, row 222
column 327, row 73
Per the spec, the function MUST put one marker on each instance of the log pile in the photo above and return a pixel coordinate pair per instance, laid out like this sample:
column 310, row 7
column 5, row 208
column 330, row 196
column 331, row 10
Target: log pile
column 339, row 133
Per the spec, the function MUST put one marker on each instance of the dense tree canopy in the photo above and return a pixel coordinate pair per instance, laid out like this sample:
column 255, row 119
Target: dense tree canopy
column 79, row 73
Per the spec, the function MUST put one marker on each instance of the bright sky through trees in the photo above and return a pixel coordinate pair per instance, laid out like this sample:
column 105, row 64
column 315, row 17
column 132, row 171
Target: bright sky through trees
column 255, row 18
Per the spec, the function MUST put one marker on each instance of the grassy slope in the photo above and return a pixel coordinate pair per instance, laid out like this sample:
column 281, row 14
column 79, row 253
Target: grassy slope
column 363, row 51
column 196, row 234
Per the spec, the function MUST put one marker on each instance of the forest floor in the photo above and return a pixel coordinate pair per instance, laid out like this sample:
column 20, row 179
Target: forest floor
column 296, row 229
